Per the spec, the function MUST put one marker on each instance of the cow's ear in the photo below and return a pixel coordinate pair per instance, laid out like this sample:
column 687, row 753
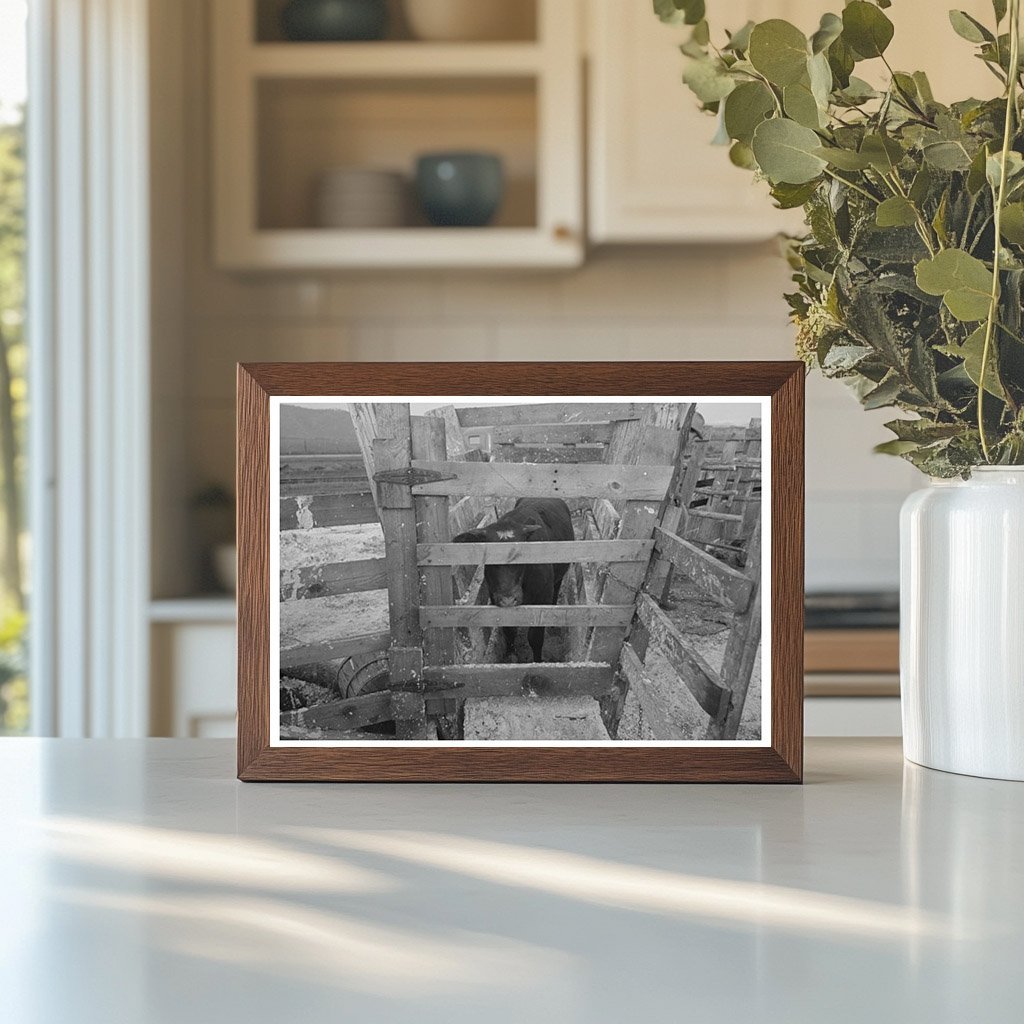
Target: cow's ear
column 529, row 531
column 471, row 537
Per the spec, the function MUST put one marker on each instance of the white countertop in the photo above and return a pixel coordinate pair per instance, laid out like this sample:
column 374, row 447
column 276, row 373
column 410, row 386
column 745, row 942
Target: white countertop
column 143, row 885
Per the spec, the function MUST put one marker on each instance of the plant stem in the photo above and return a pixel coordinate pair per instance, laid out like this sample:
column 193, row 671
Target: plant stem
column 993, row 309
column 856, row 188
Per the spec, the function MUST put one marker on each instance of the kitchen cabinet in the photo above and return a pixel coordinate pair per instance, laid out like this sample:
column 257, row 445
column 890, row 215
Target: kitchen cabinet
column 653, row 175
column 287, row 113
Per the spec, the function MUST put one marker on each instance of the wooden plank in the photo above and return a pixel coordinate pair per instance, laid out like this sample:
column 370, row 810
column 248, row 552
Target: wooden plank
column 392, row 449
column 526, row 615
column 529, row 680
column 653, row 447
column 657, row 714
column 559, row 454
column 560, row 433
column 606, row 519
column 722, row 517
column 333, row 650
column 506, row 480
column 433, row 530
column 454, row 440
column 549, row 412
column 714, row 578
column 334, row 579
column 535, row 552
column 364, row 421
column 352, row 713
column 308, row 512
column 700, row 678
column 740, row 653
column 410, row 715
column 300, row 488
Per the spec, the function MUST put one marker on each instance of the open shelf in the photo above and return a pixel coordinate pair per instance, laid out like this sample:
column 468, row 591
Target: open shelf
column 288, row 113
column 393, row 60
column 519, row 17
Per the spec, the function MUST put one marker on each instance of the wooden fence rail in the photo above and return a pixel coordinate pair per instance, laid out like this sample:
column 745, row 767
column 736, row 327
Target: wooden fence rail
column 511, row 480
column 535, row 552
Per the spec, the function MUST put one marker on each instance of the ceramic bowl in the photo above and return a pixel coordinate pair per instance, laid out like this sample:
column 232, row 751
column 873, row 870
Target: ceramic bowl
column 460, row 189
column 334, row 20
column 358, row 197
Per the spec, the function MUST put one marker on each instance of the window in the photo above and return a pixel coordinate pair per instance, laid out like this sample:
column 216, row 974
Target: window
column 14, row 549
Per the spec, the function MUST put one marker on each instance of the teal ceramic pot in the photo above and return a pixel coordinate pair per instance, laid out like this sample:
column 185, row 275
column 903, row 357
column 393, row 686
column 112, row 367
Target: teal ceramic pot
column 332, row 21
column 461, row 190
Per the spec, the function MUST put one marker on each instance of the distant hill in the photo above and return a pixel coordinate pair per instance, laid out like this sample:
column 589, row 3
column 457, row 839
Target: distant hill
column 317, row 430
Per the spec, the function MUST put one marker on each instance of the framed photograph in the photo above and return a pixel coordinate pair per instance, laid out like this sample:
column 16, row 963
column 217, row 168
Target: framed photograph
column 520, row 572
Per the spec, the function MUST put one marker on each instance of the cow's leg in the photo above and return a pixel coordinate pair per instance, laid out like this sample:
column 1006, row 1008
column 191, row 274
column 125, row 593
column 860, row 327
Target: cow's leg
column 536, row 637
column 510, row 642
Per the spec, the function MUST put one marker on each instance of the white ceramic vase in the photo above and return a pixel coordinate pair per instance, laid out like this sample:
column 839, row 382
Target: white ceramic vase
column 962, row 624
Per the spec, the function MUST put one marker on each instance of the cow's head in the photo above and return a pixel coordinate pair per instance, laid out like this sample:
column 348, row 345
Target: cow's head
column 504, row 582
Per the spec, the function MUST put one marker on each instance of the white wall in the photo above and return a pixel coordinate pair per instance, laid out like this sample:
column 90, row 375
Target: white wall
column 665, row 303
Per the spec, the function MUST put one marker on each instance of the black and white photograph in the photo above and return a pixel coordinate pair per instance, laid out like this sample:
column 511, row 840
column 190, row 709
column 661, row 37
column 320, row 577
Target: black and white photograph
column 514, row 571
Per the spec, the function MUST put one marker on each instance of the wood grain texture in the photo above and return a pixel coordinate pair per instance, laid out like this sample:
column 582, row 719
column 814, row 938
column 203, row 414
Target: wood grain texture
column 715, row 579
column 518, row 480
column 781, row 762
column 471, row 615
column 538, row 552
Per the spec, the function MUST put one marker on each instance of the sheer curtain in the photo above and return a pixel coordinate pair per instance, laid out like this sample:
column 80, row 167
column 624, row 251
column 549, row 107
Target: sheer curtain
column 88, row 299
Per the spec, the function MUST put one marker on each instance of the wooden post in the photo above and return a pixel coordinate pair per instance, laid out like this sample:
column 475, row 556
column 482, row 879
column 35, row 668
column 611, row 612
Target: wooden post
column 392, row 450
column 740, row 653
column 642, row 443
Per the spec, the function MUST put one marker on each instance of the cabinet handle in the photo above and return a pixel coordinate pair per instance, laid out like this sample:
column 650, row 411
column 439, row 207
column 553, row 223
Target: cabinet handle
column 563, row 233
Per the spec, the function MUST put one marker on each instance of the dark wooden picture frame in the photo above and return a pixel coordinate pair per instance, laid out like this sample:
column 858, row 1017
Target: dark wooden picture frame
column 780, row 760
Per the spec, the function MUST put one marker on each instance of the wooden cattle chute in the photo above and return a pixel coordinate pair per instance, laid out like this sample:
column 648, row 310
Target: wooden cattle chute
column 634, row 506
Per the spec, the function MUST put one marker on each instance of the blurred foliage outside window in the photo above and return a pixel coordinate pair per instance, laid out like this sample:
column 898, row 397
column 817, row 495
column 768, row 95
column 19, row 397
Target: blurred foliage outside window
column 14, row 704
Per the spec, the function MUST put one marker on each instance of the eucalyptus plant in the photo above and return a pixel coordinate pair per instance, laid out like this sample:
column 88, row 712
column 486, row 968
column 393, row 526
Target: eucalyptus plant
column 910, row 278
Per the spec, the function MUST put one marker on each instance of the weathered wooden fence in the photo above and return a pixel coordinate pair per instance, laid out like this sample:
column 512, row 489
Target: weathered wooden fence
column 635, row 506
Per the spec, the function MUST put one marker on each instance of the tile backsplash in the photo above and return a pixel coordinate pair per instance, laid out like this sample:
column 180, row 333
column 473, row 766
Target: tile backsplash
column 700, row 303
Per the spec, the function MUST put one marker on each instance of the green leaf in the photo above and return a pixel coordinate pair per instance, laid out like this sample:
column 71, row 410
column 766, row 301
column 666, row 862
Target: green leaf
column 971, row 352
column 1014, row 169
column 963, row 281
column 923, row 431
column 830, row 29
column 708, row 80
column 741, row 155
column 883, row 153
column 745, row 108
column 866, row 29
column 841, row 60
column 785, row 152
column 800, row 105
column 969, row 28
column 844, row 159
column 789, row 197
column 976, row 173
column 999, row 6
column 947, row 156
column 739, row 41
column 1012, row 226
column 895, row 447
column 675, row 12
column 924, row 87
column 921, row 185
column 778, row 50
column 820, row 76
column 885, row 394
column 896, row 212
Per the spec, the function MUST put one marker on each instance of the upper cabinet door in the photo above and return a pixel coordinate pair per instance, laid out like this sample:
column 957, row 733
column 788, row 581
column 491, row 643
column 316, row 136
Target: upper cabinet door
column 654, row 175
column 302, row 130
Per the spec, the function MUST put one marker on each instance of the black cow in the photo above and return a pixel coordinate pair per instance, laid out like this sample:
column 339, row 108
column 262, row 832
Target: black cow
column 532, row 519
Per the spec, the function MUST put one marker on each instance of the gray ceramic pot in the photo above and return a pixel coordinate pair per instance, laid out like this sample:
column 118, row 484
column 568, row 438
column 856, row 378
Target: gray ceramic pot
column 334, row 20
column 460, row 189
